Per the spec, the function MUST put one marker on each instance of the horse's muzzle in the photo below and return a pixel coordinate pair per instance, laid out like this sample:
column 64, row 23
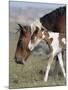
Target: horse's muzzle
column 19, row 61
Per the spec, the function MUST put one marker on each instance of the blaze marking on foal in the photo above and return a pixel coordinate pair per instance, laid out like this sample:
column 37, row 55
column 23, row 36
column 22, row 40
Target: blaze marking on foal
column 53, row 39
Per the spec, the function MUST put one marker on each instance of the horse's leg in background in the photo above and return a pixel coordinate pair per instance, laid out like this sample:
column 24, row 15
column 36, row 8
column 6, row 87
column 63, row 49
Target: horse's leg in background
column 57, row 67
column 64, row 58
column 61, row 63
column 48, row 68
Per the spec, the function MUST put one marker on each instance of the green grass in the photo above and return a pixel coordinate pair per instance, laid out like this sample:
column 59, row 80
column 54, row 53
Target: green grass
column 30, row 75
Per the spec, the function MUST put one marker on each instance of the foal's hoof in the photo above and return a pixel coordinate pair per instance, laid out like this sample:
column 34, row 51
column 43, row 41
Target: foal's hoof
column 45, row 79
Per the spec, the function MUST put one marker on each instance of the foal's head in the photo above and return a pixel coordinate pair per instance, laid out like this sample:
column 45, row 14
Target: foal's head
column 22, row 51
column 37, row 37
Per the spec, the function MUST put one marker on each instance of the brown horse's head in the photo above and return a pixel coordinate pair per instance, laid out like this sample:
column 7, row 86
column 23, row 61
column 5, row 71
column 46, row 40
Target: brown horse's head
column 22, row 51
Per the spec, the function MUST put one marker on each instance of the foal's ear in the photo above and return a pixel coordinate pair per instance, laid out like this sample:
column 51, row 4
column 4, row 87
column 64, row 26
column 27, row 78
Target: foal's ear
column 36, row 31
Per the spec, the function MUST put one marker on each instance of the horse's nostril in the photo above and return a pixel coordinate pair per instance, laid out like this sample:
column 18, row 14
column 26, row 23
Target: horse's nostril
column 18, row 61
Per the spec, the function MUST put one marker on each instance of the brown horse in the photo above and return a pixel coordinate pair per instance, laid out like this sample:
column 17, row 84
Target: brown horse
column 22, row 52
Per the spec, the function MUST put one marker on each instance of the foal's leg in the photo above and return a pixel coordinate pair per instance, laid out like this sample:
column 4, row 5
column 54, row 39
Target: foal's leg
column 61, row 63
column 48, row 68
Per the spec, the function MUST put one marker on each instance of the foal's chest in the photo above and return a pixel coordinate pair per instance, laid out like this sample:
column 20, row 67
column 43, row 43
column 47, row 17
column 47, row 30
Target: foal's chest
column 58, row 41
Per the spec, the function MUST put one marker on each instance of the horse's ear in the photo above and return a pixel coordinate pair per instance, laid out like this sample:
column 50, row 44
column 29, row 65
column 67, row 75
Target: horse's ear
column 21, row 28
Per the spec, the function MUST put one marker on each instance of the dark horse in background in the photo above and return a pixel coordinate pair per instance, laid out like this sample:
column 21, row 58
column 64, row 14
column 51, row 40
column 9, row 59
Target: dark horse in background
column 54, row 21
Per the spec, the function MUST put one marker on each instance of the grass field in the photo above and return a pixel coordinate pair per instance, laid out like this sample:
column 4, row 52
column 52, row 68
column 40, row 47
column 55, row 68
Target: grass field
column 32, row 73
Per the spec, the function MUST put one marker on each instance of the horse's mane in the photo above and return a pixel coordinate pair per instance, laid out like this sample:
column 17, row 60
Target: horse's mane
column 58, row 12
